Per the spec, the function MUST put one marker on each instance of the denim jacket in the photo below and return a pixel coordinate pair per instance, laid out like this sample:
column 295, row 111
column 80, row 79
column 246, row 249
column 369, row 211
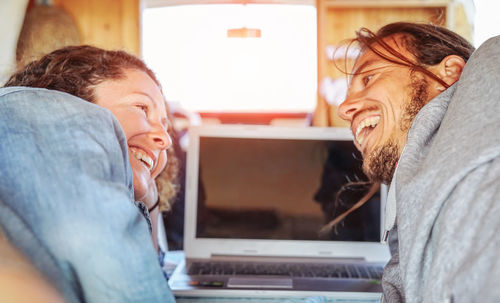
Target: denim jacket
column 67, row 202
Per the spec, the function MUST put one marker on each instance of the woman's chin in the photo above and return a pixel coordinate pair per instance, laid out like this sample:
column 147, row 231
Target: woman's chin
column 140, row 188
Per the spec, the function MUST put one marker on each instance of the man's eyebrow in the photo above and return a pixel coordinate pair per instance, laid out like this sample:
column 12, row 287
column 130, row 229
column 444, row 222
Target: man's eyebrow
column 363, row 66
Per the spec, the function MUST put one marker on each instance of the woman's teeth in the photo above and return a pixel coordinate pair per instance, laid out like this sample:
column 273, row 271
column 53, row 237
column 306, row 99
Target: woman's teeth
column 368, row 122
column 144, row 158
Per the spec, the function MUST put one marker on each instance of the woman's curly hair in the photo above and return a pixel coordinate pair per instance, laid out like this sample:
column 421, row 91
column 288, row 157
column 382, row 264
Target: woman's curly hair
column 77, row 70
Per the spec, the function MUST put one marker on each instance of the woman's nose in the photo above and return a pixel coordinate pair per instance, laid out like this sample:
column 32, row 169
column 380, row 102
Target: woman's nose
column 161, row 138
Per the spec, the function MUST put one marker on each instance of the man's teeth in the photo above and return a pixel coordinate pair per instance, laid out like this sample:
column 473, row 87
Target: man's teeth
column 145, row 158
column 368, row 122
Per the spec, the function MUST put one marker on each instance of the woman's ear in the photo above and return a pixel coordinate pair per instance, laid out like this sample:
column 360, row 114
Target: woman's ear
column 449, row 70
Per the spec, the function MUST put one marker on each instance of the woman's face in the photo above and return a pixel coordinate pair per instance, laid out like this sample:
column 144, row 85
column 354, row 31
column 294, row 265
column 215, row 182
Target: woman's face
column 138, row 104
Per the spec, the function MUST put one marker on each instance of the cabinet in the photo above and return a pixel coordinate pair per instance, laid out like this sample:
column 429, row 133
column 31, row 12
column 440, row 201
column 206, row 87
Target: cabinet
column 110, row 24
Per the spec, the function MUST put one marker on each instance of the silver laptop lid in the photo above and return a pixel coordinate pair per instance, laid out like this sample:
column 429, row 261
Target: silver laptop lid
column 267, row 191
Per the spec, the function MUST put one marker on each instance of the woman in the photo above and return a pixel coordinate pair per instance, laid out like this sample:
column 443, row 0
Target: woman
column 67, row 185
column 124, row 85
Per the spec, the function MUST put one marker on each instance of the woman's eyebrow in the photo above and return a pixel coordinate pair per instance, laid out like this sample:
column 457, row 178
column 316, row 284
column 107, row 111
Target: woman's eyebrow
column 146, row 95
column 165, row 123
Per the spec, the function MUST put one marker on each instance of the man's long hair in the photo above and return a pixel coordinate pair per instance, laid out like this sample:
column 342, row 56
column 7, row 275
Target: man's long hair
column 428, row 43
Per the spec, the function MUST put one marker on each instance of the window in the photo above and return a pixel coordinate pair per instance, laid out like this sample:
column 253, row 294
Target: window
column 204, row 70
column 486, row 22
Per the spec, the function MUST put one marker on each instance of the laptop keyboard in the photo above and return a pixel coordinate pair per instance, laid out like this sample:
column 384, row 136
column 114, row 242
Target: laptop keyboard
column 349, row 271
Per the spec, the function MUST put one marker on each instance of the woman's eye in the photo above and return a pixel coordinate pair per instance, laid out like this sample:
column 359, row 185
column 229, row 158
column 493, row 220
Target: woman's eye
column 143, row 107
column 366, row 79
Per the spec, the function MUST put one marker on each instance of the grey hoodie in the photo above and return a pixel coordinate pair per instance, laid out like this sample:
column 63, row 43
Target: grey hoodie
column 445, row 194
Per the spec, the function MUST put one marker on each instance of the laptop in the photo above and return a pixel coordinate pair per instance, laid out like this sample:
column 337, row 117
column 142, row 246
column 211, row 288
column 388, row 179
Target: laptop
column 258, row 201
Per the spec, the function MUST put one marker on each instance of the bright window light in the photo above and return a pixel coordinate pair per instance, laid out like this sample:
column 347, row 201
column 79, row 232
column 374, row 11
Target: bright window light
column 486, row 23
column 204, row 70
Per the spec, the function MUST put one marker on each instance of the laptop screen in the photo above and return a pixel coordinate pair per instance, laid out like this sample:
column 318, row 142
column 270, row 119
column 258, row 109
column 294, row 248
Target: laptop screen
column 283, row 189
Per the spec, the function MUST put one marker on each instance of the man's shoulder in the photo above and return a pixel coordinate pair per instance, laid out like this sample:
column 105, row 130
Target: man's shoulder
column 482, row 69
column 490, row 45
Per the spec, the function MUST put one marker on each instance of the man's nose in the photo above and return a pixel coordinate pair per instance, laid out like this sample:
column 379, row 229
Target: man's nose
column 348, row 108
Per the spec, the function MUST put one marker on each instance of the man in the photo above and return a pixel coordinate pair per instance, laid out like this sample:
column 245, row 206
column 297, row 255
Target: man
column 426, row 123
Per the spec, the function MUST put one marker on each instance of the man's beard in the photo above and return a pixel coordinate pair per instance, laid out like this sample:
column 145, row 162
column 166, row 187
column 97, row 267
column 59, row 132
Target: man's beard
column 379, row 165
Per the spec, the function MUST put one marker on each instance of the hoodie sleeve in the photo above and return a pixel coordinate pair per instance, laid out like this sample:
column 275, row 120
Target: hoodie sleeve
column 391, row 280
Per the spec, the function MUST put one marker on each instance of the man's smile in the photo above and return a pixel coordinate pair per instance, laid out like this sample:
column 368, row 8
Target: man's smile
column 364, row 127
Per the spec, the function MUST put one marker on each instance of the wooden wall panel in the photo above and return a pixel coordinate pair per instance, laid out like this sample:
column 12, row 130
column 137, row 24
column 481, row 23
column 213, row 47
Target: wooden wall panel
column 110, row 24
column 459, row 23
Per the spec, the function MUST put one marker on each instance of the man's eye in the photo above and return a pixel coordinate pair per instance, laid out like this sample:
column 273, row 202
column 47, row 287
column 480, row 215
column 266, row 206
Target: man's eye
column 366, row 79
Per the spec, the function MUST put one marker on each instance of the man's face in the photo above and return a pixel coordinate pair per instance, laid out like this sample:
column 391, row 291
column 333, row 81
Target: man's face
column 382, row 101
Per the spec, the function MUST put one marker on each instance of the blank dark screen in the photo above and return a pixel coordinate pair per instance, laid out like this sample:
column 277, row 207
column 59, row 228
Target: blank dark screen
column 282, row 189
